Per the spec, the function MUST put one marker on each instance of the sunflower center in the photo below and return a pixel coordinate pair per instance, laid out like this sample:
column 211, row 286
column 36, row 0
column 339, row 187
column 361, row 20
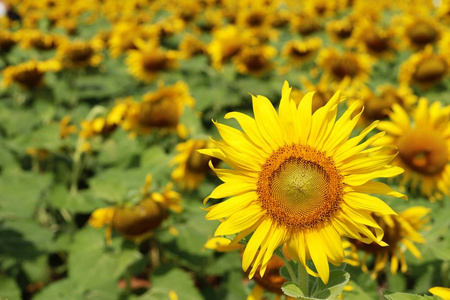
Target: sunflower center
column 424, row 151
column 378, row 108
column 422, row 33
column 255, row 19
column 255, row 62
column 344, row 32
column 345, row 66
column 432, row 69
column 29, row 78
column 376, row 43
column 300, row 187
column 6, row 44
column 300, row 52
column 154, row 63
column 80, row 55
column 159, row 113
column 198, row 163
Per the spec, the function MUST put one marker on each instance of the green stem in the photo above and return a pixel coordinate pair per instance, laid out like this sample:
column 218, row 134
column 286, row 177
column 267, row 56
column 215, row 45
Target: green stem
column 303, row 279
column 288, row 266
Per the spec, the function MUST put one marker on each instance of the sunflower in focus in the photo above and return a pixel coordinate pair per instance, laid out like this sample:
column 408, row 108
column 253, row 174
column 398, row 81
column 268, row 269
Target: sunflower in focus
column 149, row 60
column 159, row 110
column 301, row 51
column 191, row 166
column 227, row 42
column 400, row 233
column 7, row 41
column 137, row 221
column 355, row 67
column 255, row 59
column 424, row 68
column 80, row 54
column 298, row 179
column 29, row 74
column 423, row 143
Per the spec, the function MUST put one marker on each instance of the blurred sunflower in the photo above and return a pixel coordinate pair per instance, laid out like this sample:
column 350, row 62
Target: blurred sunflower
column 160, row 110
column 29, row 74
column 123, row 37
column 340, row 30
column 209, row 20
column 80, row 54
column 418, row 30
column 257, row 18
column 149, row 60
column 400, row 233
column 191, row 166
column 191, row 46
column 301, row 51
column 297, row 179
column 322, row 92
column 34, row 38
column 424, row 68
column 355, row 67
column 255, row 59
column 137, row 221
column 305, row 24
column 7, row 41
column 376, row 41
column 227, row 42
column 423, row 146
column 65, row 128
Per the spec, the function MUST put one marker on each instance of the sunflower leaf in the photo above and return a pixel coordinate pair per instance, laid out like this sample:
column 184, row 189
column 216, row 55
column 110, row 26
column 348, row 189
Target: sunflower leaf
column 291, row 289
column 405, row 296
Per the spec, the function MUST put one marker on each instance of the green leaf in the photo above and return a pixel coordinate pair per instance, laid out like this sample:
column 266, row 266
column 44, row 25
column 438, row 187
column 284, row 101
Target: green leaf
column 338, row 280
column 291, row 289
column 166, row 280
column 9, row 289
column 61, row 289
column 404, row 296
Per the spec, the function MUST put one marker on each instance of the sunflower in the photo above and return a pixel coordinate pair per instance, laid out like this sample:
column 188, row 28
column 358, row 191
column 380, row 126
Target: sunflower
column 424, row 68
column 7, row 41
column 34, row 38
column 65, row 128
column 301, row 51
column 80, row 54
column 160, row 110
column 149, row 60
column 400, row 233
column 123, row 37
column 418, row 30
column 297, row 179
column 375, row 40
column 191, row 46
column 137, row 221
column 340, row 30
column 257, row 18
column 423, row 146
column 305, row 24
column 209, row 20
column 29, row 74
column 227, row 42
column 442, row 292
column 191, row 166
column 355, row 67
column 255, row 59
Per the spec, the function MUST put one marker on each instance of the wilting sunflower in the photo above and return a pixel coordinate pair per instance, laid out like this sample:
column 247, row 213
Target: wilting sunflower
column 424, row 68
column 149, row 60
column 191, row 166
column 255, row 59
column 137, row 221
column 355, row 67
column 227, row 42
column 160, row 110
column 29, row 74
column 400, row 233
column 442, row 292
column 298, row 179
column 80, row 54
column 7, row 41
column 300, row 51
column 423, row 146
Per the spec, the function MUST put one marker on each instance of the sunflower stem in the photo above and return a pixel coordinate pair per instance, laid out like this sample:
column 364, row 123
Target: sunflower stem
column 288, row 266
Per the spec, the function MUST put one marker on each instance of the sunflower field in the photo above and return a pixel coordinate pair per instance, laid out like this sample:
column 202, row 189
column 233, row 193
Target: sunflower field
column 222, row 149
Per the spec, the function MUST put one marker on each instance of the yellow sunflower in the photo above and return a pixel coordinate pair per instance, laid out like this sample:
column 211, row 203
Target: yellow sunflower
column 123, row 37
column 226, row 43
column 340, row 30
column 191, row 166
column 298, row 179
column 137, row 221
column 305, row 23
column 255, row 59
column 375, row 40
column 355, row 67
column 191, row 46
column 257, row 18
column 80, row 54
column 424, row 68
column 34, row 38
column 423, row 146
column 159, row 110
column 149, row 60
column 418, row 30
column 400, row 233
column 300, row 51
column 29, row 74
